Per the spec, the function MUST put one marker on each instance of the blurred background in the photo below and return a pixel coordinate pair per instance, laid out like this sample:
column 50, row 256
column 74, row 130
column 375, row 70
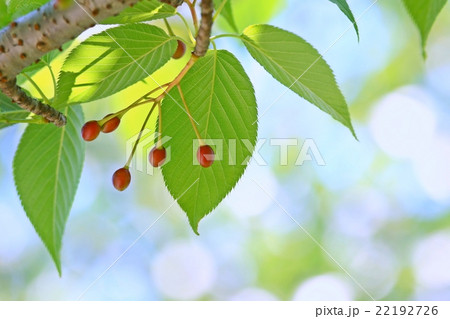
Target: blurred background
column 374, row 222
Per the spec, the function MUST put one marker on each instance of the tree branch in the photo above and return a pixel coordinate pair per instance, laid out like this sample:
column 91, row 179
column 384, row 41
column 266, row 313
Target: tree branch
column 30, row 37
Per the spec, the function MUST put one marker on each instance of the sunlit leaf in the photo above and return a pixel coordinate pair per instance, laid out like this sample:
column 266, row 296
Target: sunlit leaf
column 226, row 12
column 4, row 16
column 424, row 14
column 343, row 5
column 47, row 169
column 18, row 8
column 113, row 60
column 222, row 101
column 146, row 10
column 297, row 65
column 65, row 85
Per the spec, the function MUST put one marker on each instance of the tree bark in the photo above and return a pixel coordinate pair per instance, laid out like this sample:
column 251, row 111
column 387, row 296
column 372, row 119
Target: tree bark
column 204, row 32
column 30, row 37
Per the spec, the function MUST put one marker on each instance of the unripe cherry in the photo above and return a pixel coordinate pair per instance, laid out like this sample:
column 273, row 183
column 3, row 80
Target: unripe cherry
column 157, row 156
column 111, row 125
column 181, row 50
column 121, row 179
column 90, row 131
column 205, row 155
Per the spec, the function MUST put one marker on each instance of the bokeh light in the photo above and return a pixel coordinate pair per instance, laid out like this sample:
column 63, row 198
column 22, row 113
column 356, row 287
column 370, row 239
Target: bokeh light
column 373, row 222
column 184, row 271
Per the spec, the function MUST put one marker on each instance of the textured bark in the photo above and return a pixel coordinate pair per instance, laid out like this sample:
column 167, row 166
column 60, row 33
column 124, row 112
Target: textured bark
column 204, row 32
column 30, row 37
column 18, row 96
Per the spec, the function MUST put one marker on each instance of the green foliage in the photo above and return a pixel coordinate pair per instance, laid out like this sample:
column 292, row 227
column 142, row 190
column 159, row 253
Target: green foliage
column 297, row 65
column 222, row 101
column 10, row 111
column 113, row 60
column 4, row 18
column 18, row 8
column 66, row 81
column 254, row 11
column 343, row 5
column 217, row 90
column 146, row 10
column 424, row 14
column 226, row 12
column 47, row 169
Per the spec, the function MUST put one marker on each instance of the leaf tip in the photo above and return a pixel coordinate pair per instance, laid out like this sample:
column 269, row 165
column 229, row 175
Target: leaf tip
column 352, row 129
column 58, row 267
column 56, row 260
column 194, row 225
column 424, row 52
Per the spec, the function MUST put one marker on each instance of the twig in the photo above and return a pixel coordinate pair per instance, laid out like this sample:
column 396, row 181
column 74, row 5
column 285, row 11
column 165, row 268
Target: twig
column 193, row 14
column 204, row 32
column 42, row 31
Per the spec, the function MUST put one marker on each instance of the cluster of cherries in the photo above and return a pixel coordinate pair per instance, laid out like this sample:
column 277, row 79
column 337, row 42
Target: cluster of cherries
column 122, row 177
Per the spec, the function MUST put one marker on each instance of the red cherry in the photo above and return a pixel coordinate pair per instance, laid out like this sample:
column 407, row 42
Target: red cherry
column 181, row 50
column 90, row 131
column 111, row 125
column 121, row 179
column 157, row 156
column 205, row 155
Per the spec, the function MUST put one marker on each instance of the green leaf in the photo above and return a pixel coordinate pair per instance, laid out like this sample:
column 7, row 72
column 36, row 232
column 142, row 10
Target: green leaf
column 226, row 13
column 222, row 100
column 297, row 65
column 343, row 5
column 424, row 14
column 10, row 111
column 113, row 60
column 146, row 10
column 66, row 81
column 4, row 17
column 47, row 169
column 18, row 8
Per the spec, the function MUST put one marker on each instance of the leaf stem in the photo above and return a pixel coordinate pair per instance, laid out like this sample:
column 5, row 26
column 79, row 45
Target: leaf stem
column 127, row 165
column 159, row 143
column 141, row 101
column 55, row 86
column 169, row 28
column 2, row 114
column 194, row 14
column 37, row 120
column 190, row 116
column 178, row 79
column 226, row 35
column 188, row 28
column 157, row 101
